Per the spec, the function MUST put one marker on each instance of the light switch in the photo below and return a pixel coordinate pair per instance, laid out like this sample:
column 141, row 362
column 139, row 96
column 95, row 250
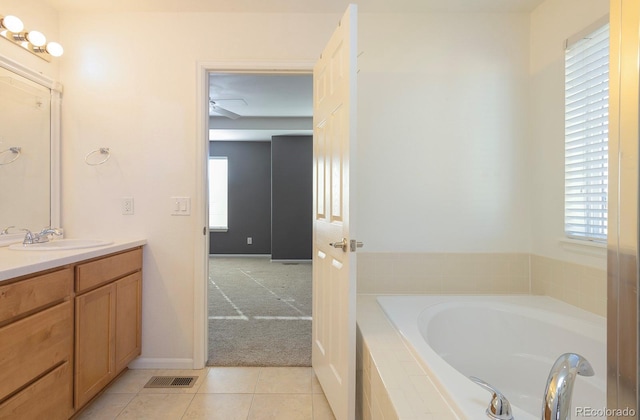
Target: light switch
column 180, row 206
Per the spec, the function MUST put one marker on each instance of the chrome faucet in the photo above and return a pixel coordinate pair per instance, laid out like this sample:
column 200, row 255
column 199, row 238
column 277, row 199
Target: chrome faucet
column 5, row 231
column 556, row 404
column 51, row 231
column 499, row 407
column 31, row 238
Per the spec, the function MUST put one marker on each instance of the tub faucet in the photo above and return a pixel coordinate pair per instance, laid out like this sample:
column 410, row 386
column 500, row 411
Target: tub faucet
column 556, row 404
column 499, row 407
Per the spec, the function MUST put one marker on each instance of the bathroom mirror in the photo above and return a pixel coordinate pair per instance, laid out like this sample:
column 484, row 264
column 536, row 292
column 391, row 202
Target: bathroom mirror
column 29, row 148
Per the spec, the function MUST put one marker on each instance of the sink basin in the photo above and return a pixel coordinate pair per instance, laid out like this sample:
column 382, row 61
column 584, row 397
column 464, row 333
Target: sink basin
column 61, row 245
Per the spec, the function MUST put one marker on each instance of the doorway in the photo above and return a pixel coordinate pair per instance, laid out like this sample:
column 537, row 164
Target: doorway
column 259, row 270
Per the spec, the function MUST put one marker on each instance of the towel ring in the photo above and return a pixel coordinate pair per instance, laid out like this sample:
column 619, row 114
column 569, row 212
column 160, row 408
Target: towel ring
column 14, row 150
column 102, row 151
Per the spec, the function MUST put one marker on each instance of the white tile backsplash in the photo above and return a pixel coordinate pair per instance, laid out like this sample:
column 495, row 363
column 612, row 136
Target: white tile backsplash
column 483, row 273
column 417, row 273
column 578, row 285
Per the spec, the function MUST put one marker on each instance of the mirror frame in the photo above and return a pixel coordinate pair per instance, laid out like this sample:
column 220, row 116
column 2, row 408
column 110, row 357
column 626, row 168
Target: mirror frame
column 54, row 136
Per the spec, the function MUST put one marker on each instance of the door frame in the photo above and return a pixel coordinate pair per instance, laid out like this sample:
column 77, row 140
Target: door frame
column 200, row 206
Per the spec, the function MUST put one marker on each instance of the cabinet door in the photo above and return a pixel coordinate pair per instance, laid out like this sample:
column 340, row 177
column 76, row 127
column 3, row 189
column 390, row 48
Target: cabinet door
column 95, row 344
column 128, row 317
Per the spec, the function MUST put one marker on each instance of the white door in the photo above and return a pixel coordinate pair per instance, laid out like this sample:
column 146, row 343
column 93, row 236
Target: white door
column 334, row 266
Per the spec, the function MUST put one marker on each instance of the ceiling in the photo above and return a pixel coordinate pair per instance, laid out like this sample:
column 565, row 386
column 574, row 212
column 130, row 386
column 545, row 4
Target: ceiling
column 263, row 95
column 267, row 105
column 294, row 6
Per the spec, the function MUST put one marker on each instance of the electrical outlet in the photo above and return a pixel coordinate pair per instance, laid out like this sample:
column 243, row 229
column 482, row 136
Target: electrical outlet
column 249, row 240
column 127, row 205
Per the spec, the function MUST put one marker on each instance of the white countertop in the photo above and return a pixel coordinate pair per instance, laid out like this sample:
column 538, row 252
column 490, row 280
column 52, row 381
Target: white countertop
column 19, row 263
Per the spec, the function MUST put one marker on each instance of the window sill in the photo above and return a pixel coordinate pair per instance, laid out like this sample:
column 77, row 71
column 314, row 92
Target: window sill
column 218, row 229
column 591, row 248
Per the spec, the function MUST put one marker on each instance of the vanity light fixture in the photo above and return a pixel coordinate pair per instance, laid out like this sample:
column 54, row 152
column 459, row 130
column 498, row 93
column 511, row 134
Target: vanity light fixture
column 36, row 38
column 12, row 29
column 54, row 49
column 12, row 24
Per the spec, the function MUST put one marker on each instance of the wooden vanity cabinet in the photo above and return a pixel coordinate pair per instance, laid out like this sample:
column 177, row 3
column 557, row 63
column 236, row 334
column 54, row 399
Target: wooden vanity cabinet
column 59, row 349
column 36, row 346
column 107, row 320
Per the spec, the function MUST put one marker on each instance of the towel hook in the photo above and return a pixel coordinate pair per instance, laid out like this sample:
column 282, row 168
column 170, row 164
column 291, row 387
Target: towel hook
column 102, row 151
column 15, row 150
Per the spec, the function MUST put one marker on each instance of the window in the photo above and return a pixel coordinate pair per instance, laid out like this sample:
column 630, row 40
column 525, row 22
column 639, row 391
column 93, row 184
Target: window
column 586, row 135
column 218, row 193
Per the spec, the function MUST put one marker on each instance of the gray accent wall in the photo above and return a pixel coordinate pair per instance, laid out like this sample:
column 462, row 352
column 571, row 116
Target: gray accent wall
column 291, row 200
column 249, row 198
column 270, row 197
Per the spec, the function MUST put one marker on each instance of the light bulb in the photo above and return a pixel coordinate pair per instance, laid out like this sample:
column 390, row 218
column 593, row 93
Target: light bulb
column 55, row 49
column 36, row 38
column 12, row 23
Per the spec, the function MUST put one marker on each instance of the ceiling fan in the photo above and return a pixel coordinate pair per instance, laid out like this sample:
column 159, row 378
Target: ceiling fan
column 216, row 108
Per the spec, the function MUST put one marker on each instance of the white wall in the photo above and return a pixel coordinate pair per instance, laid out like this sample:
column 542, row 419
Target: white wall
column 435, row 173
column 130, row 85
column 443, row 133
column 551, row 24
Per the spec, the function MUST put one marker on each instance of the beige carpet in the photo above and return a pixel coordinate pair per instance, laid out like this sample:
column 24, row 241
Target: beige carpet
column 259, row 312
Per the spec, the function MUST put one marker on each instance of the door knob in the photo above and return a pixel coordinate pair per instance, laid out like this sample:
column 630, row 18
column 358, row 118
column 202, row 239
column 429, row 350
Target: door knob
column 352, row 245
column 342, row 244
column 355, row 244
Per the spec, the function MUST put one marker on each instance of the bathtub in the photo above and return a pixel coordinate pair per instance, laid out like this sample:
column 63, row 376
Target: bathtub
column 510, row 342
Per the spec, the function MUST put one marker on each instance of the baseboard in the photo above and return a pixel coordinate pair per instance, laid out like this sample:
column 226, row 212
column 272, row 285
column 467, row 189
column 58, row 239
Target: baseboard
column 160, row 363
column 284, row 261
column 240, row 255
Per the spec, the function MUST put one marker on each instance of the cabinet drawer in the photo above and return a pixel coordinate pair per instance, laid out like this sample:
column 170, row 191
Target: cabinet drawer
column 51, row 397
column 33, row 345
column 27, row 295
column 104, row 270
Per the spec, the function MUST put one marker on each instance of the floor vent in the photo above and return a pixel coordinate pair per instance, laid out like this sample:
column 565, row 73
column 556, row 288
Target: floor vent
column 171, row 382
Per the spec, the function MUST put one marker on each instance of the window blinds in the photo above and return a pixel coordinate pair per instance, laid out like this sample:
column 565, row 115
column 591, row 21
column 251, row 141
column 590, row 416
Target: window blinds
column 586, row 135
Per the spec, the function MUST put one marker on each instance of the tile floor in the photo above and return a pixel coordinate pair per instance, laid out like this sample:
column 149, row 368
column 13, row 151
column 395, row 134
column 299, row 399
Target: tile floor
column 227, row 393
